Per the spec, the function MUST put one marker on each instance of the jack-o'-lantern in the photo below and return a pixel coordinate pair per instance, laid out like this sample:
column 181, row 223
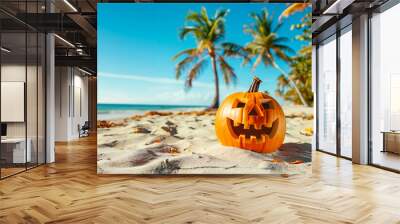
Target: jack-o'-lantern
column 251, row 120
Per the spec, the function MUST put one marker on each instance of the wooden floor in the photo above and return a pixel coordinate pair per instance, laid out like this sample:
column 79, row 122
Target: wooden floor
column 387, row 159
column 5, row 172
column 69, row 191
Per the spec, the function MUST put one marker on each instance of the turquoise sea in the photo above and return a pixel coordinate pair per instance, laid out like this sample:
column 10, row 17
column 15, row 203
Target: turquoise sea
column 107, row 111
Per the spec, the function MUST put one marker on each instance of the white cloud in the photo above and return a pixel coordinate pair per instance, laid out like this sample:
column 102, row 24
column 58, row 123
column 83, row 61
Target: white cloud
column 160, row 80
column 178, row 97
column 167, row 94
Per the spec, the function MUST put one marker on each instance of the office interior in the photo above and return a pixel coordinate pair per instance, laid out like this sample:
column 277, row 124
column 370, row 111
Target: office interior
column 48, row 68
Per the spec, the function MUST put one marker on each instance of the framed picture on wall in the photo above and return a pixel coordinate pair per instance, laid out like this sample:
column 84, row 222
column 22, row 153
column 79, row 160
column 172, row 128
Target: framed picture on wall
column 184, row 89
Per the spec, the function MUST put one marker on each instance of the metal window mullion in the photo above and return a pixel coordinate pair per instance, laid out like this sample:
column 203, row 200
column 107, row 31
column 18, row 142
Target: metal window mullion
column 317, row 97
column 73, row 92
column 369, row 97
column 26, row 86
column 45, row 95
column 338, row 95
column 37, row 91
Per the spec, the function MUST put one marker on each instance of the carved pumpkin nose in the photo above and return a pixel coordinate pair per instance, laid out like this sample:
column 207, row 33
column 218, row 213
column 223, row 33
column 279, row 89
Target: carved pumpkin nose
column 253, row 112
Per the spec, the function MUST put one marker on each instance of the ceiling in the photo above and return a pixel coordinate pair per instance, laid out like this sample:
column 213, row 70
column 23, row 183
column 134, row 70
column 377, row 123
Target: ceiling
column 73, row 21
column 332, row 15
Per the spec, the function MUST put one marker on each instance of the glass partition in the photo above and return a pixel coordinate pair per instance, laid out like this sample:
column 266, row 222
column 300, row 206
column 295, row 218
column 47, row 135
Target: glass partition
column 22, row 78
column 327, row 95
column 385, row 89
column 346, row 92
column 13, row 109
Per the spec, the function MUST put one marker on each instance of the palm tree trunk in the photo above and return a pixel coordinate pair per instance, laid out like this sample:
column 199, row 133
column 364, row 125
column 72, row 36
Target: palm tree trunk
column 215, row 103
column 292, row 84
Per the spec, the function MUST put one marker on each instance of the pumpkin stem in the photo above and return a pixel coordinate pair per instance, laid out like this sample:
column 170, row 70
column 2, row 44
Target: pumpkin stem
column 255, row 85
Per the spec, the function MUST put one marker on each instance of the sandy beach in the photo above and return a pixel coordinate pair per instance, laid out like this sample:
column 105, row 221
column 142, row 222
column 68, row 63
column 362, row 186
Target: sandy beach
column 184, row 142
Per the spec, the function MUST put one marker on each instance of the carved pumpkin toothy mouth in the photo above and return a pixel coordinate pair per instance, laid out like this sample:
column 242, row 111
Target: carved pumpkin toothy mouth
column 240, row 129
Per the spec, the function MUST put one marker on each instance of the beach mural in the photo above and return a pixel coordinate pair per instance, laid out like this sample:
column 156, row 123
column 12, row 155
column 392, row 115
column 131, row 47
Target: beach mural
column 204, row 88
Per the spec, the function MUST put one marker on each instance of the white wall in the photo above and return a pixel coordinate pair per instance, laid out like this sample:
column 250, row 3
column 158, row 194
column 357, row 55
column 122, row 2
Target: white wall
column 71, row 87
column 80, row 110
column 15, row 72
column 61, row 103
column 33, row 127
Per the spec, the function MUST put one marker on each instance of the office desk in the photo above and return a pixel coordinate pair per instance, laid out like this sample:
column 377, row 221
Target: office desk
column 13, row 150
column 391, row 141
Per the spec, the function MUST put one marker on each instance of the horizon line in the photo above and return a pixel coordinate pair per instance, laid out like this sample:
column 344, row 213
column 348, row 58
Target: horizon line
column 144, row 104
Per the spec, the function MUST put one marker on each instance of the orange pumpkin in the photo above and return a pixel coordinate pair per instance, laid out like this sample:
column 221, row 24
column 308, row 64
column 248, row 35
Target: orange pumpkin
column 251, row 120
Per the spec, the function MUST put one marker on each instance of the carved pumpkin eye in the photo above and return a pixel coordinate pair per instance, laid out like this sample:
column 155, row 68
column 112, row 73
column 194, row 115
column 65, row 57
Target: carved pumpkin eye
column 267, row 105
column 240, row 105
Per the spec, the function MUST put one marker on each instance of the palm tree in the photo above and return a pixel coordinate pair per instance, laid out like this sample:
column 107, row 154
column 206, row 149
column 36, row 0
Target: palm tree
column 301, row 72
column 208, row 33
column 267, row 45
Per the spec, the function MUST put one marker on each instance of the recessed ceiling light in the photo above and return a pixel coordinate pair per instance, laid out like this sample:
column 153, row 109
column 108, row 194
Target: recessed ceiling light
column 84, row 71
column 5, row 50
column 337, row 7
column 64, row 40
column 70, row 5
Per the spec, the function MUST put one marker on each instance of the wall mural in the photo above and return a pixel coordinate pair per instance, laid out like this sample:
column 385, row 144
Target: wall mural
column 196, row 88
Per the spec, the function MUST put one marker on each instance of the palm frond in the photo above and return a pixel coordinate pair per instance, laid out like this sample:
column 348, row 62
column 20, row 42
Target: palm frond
column 277, row 27
column 232, row 49
column 221, row 13
column 279, row 40
column 281, row 54
column 257, row 61
column 284, row 48
column 189, row 52
column 250, row 30
column 204, row 15
column 195, row 18
column 227, row 71
column 183, row 65
column 306, row 50
column 187, row 30
column 268, row 58
column 254, row 16
column 194, row 72
column 295, row 7
column 251, row 50
column 217, row 30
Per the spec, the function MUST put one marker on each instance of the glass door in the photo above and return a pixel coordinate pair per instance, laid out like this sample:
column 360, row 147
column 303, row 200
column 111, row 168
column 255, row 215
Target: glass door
column 326, row 107
column 385, row 89
column 22, row 98
column 346, row 92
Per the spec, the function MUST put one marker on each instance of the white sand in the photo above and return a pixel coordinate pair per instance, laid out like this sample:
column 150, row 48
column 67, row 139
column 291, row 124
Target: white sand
column 186, row 144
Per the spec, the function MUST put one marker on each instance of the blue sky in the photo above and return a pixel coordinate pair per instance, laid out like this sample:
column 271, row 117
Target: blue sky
column 136, row 43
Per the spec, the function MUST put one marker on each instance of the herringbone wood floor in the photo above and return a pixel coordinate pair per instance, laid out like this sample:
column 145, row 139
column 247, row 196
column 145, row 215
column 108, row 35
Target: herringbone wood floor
column 69, row 191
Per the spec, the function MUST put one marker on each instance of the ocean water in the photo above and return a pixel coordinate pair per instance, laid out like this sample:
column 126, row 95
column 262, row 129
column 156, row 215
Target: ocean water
column 119, row 111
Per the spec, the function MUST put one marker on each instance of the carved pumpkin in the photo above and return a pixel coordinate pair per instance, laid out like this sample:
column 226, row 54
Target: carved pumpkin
column 251, row 120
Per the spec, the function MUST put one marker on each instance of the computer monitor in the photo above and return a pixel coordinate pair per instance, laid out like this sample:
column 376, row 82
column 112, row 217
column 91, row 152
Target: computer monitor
column 3, row 129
